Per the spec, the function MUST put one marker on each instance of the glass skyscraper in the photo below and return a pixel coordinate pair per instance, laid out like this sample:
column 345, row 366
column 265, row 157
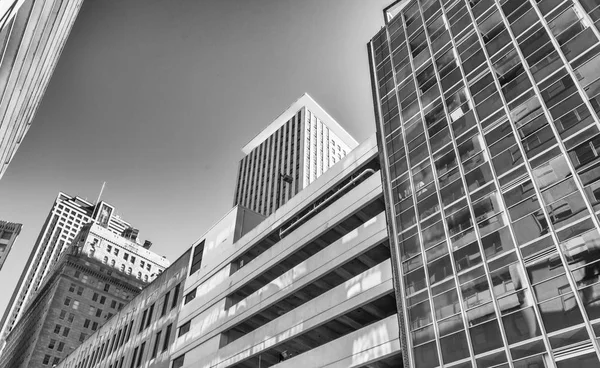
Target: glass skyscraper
column 488, row 124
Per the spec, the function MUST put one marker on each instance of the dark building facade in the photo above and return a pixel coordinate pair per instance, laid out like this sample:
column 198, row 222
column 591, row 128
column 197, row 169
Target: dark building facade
column 140, row 334
column 487, row 120
column 75, row 300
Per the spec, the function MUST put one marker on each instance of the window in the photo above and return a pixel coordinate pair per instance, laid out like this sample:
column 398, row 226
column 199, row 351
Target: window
column 63, row 314
column 98, row 312
column 184, row 329
column 190, row 296
column 95, row 297
column 175, row 296
column 167, row 337
column 165, row 303
column 143, row 319
column 156, row 342
column 197, row 257
column 94, row 326
column 178, row 362
column 106, row 287
column 113, row 304
column 150, row 313
column 102, row 299
column 56, row 329
column 80, row 290
column 46, row 359
column 135, row 351
column 139, row 361
column 61, row 346
column 86, row 324
column 71, row 315
column 66, row 332
column 67, row 301
column 72, row 288
column 82, row 337
column 55, row 361
column 75, row 306
column 51, row 344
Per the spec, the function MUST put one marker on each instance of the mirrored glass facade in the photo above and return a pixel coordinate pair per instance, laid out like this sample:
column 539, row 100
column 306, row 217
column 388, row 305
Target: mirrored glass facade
column 487, row 118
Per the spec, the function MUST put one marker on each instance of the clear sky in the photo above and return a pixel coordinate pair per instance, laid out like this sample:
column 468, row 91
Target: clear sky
column 157, row 98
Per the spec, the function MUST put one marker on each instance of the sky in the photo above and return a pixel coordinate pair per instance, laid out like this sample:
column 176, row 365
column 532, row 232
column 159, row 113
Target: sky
column 157, row 97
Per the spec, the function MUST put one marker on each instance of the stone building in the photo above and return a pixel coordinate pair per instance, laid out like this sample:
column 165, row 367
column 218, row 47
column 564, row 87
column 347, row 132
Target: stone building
column 83, row 290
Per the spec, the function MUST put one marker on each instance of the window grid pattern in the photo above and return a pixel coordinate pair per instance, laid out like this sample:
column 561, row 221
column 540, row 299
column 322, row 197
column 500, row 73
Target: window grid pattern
column 490, row 146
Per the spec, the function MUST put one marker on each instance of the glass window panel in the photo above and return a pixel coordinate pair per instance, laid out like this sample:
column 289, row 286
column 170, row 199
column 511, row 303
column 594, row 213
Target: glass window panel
column 426, row 355
column 475, row 161
column 507, row 160
column 551, row 172
column 518, row 193
column 406, row 219
column 559, row 91
column 530, row 227
column 545, row 268
column 507, row 280
column 480, row 314
column 537, row 246
column 583, row 361
column 479, row 177
column 578, row 44
column 571, row 337
column 428, row 206
column 524, row 208
column 412, row 264
column 520, row 326
column 489, row 106
column 415, row 281
column 454, row 347
column 531, row 348
column 501, row 145
column 476, row 292
column 533, row 40
column 560, row 313
column 539, row 141
column 470, row 147
column 452, row 192
column 446, row 304
column 515, row 175
column 423, row 335
column 498, row 42
column 520, row 25
column 498, row 134
column 497, row 243
column 487, row 207
column 590, row 297
column 436, row 251
column 482, row 192
column 448, row 177
column 450, row 325
column 551, row 288
column 567, row 210
column 459, row 221
column 547, row 64
column 419, row 315
column 467, row 257
column 485, row 337
column 433, row 235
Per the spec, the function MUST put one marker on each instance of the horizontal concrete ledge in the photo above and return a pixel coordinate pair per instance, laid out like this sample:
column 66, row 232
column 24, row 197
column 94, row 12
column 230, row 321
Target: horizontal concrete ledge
column 374, row 283
column 354, row 350
column 205, row 325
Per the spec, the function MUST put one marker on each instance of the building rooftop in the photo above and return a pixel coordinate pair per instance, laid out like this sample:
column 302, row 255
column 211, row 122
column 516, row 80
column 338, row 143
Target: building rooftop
column 304, row 101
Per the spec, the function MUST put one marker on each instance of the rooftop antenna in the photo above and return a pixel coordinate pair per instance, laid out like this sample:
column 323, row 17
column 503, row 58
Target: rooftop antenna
column 100, row 194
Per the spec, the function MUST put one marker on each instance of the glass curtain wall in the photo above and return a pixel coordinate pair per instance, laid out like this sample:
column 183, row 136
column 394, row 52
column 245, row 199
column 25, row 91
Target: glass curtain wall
column 488, row 118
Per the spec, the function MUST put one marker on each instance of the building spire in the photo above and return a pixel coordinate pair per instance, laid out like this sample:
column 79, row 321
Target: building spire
column 100, row 194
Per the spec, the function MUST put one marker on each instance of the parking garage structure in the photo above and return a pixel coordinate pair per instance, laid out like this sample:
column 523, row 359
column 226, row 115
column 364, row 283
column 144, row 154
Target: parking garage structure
column 311, row 284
